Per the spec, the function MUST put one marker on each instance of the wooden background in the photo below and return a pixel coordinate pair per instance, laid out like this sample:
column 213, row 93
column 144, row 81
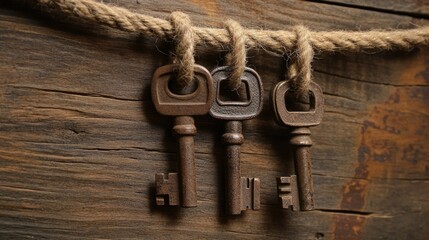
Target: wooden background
column 80, row 140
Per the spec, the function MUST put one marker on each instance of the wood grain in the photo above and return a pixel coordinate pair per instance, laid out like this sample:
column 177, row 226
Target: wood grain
column 80, row 140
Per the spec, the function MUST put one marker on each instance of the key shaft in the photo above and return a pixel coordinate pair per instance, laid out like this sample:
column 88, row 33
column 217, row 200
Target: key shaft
column 233, row 138
column 184, row 129
column 301, row 143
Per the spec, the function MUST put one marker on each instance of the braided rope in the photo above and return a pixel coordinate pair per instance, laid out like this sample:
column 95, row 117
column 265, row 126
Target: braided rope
column 276, row 41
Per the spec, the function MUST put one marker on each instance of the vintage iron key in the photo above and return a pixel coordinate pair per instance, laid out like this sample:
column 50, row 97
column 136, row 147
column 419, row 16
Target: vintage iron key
column 301, row 185
column 183, row 107
column 242, row 192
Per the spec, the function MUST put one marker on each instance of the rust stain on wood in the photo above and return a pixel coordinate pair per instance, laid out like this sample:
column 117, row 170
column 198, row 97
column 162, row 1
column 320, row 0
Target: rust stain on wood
column 388, row 138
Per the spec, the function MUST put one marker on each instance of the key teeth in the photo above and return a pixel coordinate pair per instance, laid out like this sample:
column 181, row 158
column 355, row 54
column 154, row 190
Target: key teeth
column 288, row 192
column 167, row 189
column 250, row 193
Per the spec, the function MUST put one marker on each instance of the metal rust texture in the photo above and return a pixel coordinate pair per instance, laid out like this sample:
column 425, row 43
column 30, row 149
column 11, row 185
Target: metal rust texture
column 182, row 103
column 242, row 193
column 300, row 140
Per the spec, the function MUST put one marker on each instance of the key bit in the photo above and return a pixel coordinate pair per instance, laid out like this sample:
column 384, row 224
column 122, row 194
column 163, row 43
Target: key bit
column 250, row 191
column 167, row 189
column 288, row 192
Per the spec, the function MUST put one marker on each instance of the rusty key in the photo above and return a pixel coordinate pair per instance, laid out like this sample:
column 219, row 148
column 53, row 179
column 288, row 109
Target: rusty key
column 301, row 185
column 183, row 104
column 244, row 103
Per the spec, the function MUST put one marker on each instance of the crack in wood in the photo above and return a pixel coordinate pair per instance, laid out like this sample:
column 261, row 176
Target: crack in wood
column 374, row 9
column 370, row 82
column 75, row 93
column 344, row 211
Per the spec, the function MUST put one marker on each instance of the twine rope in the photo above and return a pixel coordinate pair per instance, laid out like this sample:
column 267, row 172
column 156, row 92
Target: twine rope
column 303, row 41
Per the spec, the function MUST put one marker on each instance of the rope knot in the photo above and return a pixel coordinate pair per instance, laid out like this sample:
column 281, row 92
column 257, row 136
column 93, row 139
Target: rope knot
column 299, row 75
column 184, row 52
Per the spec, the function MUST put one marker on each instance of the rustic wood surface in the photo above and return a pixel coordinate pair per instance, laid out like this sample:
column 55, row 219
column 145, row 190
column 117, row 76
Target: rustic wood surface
column 80, row 140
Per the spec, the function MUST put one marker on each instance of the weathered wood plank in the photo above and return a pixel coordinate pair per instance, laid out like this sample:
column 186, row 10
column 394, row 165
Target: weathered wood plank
column 81, row 141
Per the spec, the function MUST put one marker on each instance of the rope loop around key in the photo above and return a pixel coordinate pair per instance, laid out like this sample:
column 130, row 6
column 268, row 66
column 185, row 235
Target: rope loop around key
column 299, row 71
column 236, row 57
column 184, row 50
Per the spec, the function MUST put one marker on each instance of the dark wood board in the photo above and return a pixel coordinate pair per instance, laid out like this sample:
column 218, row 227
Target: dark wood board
column 80, row 140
